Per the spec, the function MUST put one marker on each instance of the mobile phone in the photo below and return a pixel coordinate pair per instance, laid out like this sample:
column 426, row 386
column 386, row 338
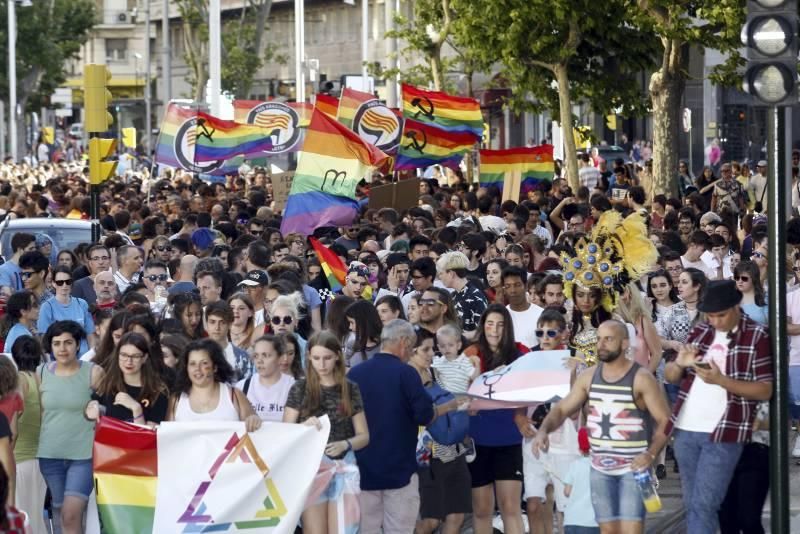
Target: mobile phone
column 703, row 365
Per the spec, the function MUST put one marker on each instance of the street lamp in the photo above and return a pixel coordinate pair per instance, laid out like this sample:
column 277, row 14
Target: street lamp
column 136, row 57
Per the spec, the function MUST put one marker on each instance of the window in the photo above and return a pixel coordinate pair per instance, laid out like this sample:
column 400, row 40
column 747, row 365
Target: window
column 116, row 50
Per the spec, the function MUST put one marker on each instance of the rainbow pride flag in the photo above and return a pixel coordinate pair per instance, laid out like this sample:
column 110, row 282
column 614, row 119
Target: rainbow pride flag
column 425, row 144
column 333, row 160
column 450, row 113
column 125, row 459
column 349, row 103
column 327, row 104
column 175, row 146
column 268, row 113
column 217, row 139
column 535, row 165
column 335, row 271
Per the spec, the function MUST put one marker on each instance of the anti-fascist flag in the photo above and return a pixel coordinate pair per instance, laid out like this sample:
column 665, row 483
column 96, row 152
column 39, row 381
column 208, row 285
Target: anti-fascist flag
column 333, row 160
column 217, row 139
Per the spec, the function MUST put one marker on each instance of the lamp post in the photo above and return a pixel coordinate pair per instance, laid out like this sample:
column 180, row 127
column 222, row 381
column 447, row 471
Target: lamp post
column 136, row 58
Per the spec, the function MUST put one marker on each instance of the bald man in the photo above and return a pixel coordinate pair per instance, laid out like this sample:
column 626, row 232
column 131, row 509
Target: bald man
column 371, row 245
column 620, row 395
column 106, row 290
column 184, row 278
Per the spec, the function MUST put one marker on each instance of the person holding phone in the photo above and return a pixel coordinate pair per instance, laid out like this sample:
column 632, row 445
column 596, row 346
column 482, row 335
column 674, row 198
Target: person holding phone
column 713, row 416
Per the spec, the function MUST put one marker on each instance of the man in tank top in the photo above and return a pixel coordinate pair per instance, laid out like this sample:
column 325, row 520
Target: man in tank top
column 621, row 397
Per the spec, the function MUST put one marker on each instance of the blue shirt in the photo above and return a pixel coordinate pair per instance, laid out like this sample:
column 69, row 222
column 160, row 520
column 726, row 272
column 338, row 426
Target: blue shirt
column 396, row 404
column 77, row 310
column 579, row 511
column 18, row 330
column 10, row 276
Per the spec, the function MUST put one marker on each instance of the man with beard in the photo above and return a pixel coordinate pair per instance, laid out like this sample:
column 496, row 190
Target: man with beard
column 106, row 290
column 620, row 394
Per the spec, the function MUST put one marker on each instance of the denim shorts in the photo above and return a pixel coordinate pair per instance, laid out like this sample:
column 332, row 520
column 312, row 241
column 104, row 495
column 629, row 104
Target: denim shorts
column 616, row 498
column 67, row 478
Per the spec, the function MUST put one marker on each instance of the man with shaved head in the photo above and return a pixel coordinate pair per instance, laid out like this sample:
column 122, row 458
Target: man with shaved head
column 106, row 290
column 620, row 395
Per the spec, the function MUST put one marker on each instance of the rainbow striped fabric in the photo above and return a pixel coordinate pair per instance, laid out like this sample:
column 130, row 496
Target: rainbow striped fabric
column 349, row 103
column 335, row 271
column 535, row 165
column 450, row 113
column 425, row 144
column 217, row 139
column 125, row 459
column 333, row 160
column 327, row 104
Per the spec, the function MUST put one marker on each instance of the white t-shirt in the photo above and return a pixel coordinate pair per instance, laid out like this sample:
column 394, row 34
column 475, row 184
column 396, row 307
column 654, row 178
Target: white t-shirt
column 710, row 273
column 589, row 176
column 525, row 324
column 268, row 401
column 706, row 403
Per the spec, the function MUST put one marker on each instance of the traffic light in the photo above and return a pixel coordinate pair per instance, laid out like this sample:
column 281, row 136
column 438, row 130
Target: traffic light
column 770, row 35
column 96, row 98
column 100, row 168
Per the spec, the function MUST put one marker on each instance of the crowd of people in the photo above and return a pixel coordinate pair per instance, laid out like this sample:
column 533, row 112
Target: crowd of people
column 195, row 307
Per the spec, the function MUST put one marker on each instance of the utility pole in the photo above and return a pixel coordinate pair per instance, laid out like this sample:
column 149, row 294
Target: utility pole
column 12, row 80
column 391, row 53
column 214, row 55
column 299, row 51
column 148, row 112
column 166, row 58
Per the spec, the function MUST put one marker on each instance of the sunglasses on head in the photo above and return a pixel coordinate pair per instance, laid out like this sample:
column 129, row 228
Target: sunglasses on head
column 742, row 277
column 60, row 283
column 550, row 333
column 164, row 248
column 159, row 277
column 287, row 320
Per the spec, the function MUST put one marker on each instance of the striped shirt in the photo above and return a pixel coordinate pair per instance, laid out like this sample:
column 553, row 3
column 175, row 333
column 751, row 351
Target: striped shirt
column 617, row 428
column 453, row 375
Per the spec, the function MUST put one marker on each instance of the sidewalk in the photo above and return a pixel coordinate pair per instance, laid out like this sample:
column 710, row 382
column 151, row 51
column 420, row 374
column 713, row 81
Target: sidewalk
column 671, row 517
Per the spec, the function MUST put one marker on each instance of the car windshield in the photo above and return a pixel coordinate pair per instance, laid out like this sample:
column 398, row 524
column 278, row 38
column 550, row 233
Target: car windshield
column 62, row 238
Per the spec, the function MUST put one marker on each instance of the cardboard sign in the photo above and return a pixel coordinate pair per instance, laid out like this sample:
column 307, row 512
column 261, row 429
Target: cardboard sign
column 400, row 195
column 281, row 185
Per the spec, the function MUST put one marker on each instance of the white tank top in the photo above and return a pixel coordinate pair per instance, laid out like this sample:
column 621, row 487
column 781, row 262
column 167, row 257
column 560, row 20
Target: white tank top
column 225, row 410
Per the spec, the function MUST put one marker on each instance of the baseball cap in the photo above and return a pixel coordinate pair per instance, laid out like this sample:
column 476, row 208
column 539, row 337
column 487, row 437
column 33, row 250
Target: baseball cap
column 203, row 238
column 256, row 277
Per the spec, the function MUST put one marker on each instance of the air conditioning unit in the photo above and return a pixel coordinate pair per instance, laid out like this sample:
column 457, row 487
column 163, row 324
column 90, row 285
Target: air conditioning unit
column 123, row 18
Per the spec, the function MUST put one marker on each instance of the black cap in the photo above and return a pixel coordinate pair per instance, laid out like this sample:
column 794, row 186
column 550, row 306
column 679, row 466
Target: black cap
column 256, row 277
column 720, row 295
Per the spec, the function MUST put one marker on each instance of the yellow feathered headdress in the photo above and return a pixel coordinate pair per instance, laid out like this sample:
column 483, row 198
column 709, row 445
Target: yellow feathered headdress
column 618, row 251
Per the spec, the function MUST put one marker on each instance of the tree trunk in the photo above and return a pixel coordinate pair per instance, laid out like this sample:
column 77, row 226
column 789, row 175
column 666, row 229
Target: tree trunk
column 565, row 119
column 436, row 69
column 666, row 94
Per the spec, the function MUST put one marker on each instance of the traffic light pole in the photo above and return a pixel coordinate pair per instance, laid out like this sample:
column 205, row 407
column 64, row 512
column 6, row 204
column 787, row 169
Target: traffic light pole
column 779, row 405
column 94, row 205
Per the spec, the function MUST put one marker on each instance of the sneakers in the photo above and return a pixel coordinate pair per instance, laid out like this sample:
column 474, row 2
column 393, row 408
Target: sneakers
column 796, row 448
column 470, row 448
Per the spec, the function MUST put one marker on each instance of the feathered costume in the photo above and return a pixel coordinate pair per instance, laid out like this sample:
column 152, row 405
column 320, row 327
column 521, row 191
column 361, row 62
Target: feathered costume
column 617, row 252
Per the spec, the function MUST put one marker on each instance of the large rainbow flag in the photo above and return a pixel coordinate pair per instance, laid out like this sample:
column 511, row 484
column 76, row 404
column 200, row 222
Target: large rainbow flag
column 327, row 104
column 125, row 459
column 217, row 139
column 535, row 165
column 333, row 160
column 349, row 103
column 175, row 146
column 448, row 112
column 335, row 271
column 425, row 144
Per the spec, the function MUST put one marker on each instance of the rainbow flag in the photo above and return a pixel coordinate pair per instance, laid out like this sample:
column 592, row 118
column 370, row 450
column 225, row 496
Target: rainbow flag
column 268, row 113
column 125, row 459
column 327, row 104
column 333, row 160
column 175, row 146
column 534, row 164
column 448, row 112
column 424, row 145
column 349, row 103
column 335, row 271
column 217, row 139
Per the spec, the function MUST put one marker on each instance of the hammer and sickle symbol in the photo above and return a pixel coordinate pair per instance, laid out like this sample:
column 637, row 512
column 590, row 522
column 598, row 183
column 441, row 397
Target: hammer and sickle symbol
column 415, row 143
column 419, row 104
column 205, row 133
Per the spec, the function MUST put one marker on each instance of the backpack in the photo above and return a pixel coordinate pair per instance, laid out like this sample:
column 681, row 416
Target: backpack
column 452, row 427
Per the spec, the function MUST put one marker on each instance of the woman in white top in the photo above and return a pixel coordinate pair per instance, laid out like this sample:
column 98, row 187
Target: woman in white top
column 268, row 389
column 201, row 391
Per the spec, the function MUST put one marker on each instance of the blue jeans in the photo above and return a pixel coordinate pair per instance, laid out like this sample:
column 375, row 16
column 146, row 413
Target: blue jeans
column 706, row 472
column 616, row 498
column 72, row 478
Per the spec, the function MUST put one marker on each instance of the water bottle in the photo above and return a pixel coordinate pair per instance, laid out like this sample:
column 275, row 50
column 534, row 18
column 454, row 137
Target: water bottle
column 160, row 293
column 652, row 502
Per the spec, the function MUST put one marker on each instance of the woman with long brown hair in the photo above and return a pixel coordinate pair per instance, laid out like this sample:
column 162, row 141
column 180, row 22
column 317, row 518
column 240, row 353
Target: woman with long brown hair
column 327, row 391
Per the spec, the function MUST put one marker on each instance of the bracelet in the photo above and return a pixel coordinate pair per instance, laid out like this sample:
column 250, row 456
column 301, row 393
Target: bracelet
column 349, row 445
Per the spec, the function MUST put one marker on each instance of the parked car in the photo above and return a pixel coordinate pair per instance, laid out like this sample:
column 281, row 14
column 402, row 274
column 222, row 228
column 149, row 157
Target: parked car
column 65, row 233
column 76, row 131
column 612, row 152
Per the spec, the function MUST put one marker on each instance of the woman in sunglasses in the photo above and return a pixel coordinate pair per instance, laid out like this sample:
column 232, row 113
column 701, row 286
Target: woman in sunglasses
column 64, row 307
column 160, row 250
column 748, row 281
column 284, row 316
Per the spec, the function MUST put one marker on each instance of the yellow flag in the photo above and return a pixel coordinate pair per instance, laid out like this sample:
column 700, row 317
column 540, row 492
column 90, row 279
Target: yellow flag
column 129, row 137
column 49, row 135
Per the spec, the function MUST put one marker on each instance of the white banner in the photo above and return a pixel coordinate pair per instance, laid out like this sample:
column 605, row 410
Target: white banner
column 216, row 474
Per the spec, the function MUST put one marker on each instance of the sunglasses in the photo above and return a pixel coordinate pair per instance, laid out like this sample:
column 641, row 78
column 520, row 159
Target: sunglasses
column 159, row 277
column 743, row 278
column 287, row 319
column 164, row 249
column 550, row 333
column 26, row 274
column 428, row 302
column 60, row 283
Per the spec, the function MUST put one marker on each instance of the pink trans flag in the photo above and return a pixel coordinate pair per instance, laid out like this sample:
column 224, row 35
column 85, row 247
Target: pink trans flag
column 532, row 379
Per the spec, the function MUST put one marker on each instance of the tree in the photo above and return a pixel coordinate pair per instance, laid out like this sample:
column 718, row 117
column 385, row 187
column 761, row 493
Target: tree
column 50, row 33
column 711, row 24
column 556, row 52
column 243, row 48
